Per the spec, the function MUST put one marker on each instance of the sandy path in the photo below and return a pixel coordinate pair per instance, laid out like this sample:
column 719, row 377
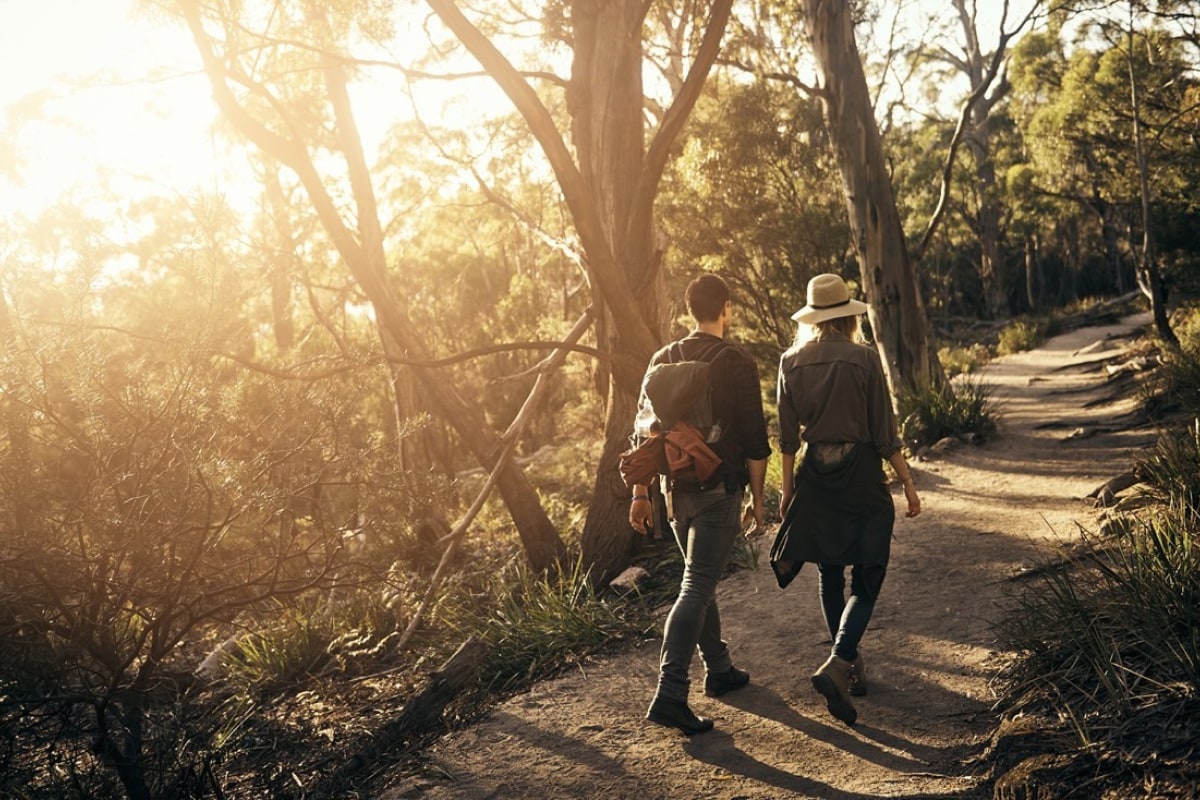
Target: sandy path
column 990, row 513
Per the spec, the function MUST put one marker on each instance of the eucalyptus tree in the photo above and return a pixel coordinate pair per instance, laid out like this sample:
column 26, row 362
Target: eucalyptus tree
column 986, row 85
column 1140, row 54
column 282, row 80
column 1043, row 80
column 1106, row 126
column 898, row 317
column 754, row 197
column 609, row 167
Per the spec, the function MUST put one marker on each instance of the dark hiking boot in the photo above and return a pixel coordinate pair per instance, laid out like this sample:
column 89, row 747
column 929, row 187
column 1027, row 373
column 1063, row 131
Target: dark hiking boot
column 832, row 680
column 721, row 683
column 676, row 714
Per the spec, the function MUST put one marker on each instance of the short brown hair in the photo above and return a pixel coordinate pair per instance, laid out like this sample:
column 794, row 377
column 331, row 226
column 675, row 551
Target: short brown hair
column 706, row 297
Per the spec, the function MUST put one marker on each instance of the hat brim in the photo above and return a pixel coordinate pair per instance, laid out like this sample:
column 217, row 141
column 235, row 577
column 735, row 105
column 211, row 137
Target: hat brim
column 811, row 316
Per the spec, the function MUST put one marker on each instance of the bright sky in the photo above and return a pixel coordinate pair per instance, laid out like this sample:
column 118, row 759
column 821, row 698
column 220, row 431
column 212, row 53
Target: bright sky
column 142, row 124
column 142, row 128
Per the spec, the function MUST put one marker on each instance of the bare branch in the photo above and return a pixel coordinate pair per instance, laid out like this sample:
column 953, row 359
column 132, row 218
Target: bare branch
column 995, row 64
column 783, row 77
column 679, row 110
column 508, row 441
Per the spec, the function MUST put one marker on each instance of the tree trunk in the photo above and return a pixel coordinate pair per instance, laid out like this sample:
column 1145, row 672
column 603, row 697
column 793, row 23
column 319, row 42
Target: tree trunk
column 1112, row 253
column 987, row 221
column 1033, row 282
column 1149, row 275
column 988, row 228
column 605, row 100
column 897, row 315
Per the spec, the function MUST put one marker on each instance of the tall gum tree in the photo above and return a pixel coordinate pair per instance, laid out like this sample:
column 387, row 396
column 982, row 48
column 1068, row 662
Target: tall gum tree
column 976, row 66
column 609, row 176
column 898, row 317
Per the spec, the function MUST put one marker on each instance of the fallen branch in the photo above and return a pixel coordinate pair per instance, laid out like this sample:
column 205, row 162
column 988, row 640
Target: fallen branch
column 423, row 709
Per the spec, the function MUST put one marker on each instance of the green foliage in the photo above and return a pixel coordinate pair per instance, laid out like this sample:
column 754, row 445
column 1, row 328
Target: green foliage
column 536, row 624
column 1179, row 379
column 746, row 553
column 1170, row 473
column 1113, row 627
column 754, row 197
column 963, row 360
column 962, row 409
column 1026, row 334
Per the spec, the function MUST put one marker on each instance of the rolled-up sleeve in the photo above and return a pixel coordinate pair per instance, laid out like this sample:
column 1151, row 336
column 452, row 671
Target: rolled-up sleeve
column 789, row 424
column 748, row 408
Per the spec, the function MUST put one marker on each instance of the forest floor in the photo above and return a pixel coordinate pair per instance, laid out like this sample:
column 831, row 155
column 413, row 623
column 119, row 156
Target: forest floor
column 991, row 515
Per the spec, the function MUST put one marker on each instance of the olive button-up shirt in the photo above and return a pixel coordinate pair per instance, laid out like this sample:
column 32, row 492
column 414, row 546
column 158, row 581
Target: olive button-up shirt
column 833, row 390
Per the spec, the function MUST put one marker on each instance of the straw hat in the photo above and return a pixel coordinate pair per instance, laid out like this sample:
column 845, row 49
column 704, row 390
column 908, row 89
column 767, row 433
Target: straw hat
column 828, row 298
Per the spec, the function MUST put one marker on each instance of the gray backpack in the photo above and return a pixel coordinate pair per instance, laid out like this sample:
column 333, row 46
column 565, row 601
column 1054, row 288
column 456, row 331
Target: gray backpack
column 682, row 390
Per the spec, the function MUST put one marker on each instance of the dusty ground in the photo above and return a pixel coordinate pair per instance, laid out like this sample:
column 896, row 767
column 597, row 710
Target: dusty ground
column 990, row 513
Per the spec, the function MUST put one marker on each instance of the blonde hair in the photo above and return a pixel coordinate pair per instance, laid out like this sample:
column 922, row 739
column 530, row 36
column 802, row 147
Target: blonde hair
column 847, row 326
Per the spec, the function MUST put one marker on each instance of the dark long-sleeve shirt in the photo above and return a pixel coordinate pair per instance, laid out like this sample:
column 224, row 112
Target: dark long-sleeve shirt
column 832, row 391
column 736, row 401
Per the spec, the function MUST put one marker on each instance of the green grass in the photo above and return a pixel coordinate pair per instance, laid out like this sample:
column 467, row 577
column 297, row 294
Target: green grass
column 962, row 409
column 964, row 359
column 1170, row 473
column 1181, row 366
column 1114, row 626
column 1026, row 334
column 541, row 623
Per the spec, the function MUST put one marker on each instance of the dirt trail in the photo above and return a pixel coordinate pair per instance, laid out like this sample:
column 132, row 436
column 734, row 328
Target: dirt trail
column 990, row 512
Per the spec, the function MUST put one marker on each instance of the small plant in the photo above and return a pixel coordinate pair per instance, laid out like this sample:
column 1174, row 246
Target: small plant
column 1026, row 334
column 1171, row 473
column 1181, row 366
column 1116, row 624
column 537, row 623
column 963, row 360
column 963, row 409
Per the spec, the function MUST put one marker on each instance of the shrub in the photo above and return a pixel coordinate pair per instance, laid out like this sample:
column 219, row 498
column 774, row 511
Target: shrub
column 1026, row 334
column 963, row 360
column 1181, row 366
column 1170, row 474
column 963, row 409
column 537, row 623
column 1113, row 627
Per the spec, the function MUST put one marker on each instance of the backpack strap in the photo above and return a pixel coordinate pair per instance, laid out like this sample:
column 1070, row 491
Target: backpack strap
column 709, row 355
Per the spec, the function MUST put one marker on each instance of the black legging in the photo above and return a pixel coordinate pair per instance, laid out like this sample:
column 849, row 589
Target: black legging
column 847, row 620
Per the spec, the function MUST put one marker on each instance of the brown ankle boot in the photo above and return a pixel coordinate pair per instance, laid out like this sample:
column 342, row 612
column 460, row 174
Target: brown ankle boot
column 858, row 677
column 832, row 680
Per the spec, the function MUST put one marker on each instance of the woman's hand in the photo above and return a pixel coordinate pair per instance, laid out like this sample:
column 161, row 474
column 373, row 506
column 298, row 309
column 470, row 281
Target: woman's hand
column 914, row 502
column 785, row 500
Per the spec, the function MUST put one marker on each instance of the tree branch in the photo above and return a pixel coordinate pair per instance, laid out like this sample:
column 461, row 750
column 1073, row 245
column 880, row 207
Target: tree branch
column 612, row 283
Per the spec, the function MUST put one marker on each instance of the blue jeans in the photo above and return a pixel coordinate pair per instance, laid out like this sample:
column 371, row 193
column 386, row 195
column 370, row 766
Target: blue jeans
column 847, row 620
column 706, row 525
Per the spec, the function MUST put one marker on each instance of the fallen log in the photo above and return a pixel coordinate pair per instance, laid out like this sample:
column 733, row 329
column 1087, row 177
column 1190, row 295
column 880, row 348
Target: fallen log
column 424, row 709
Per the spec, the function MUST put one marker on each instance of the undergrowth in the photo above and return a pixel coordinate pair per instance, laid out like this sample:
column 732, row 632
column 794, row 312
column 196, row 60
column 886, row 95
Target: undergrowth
column 1109, row 635
column 538, row 624
column 1027, row 333
column 962, row 409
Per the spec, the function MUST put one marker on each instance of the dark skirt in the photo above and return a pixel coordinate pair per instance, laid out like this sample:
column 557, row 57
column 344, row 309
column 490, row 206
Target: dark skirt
column 841, row 514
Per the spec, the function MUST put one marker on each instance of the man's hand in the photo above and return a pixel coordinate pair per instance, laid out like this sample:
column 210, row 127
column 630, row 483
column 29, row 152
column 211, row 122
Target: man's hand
column 641, row 513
